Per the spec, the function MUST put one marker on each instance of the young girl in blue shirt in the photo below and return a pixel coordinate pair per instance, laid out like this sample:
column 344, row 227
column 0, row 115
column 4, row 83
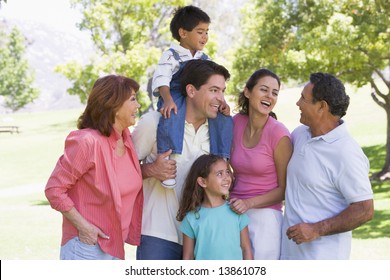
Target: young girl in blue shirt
column 211, row 230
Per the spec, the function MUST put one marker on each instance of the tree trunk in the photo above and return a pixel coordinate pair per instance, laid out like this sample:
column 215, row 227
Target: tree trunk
column 384, row 174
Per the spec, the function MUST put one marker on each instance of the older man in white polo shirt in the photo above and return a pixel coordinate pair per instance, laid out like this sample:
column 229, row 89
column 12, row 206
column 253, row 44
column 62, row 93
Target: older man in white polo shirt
column 328, row 191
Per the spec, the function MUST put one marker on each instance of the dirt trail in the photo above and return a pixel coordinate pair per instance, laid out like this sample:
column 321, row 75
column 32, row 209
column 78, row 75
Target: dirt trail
column 22, row 190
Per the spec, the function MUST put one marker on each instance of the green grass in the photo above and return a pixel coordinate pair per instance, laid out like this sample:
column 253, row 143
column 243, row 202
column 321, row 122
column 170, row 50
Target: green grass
column 29, row 157
column 32, row 230
column 372, row 240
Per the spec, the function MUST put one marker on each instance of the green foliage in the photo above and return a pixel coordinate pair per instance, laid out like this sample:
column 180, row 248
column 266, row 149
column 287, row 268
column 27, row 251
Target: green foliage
column 119, row 25
column 349, row 38
column 128, row 37
column 16, row 78
column 131, row 64
column 83, row 77
column 211, row 47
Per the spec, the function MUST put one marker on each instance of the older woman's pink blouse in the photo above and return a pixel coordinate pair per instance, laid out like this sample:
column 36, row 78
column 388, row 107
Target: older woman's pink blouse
column 86, row 177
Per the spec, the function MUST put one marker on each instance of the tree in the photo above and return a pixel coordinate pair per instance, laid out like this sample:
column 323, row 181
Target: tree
column 16, row 78
column 348, row 38
column 128, row 37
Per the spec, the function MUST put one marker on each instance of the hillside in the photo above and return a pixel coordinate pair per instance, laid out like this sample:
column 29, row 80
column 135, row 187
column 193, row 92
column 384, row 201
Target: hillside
column 47, row 48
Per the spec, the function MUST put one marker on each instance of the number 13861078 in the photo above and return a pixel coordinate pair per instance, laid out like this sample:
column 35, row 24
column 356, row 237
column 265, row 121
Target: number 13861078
column 251, row 270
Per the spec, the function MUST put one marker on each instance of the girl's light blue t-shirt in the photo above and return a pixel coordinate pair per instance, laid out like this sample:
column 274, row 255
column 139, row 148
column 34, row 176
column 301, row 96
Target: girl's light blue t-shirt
column 216, row 232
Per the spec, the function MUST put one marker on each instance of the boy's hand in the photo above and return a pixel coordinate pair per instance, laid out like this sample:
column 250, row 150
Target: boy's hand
column 225, row 109
column 167, row 107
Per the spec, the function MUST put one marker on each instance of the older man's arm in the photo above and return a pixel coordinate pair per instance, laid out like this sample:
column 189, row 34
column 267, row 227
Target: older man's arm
column 352, row 217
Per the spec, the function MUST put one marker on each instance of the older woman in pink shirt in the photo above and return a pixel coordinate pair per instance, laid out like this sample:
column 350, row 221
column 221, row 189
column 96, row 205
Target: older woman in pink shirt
column 97, row 182
column 260, row 153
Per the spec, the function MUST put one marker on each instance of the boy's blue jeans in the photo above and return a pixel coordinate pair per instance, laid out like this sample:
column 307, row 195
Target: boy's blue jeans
column 170, row 131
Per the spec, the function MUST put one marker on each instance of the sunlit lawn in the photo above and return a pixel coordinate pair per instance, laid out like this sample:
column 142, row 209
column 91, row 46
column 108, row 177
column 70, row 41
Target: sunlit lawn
column 28, row 157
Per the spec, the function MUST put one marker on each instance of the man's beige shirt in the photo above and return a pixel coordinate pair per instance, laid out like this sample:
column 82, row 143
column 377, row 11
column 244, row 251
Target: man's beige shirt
column 161, row 204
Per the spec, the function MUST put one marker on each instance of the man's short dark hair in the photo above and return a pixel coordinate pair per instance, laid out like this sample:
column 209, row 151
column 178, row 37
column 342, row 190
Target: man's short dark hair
column 330, row 89
column 198, row 71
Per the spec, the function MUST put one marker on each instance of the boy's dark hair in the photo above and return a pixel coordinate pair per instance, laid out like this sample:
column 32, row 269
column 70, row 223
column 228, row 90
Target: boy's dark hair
column 197, row 72
column 188, row 18
column 327, row 87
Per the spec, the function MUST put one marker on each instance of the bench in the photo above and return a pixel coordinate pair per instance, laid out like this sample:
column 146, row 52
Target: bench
column 9, row 128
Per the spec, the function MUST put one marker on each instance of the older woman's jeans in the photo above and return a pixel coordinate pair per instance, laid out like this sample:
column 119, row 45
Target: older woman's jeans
column 153, row 248
column 74, row 249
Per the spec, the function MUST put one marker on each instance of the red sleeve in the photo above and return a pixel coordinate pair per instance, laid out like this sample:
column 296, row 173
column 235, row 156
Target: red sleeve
column 69, row 168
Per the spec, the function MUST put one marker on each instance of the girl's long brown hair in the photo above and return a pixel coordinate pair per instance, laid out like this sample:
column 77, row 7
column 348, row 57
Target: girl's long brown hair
column 193, row 193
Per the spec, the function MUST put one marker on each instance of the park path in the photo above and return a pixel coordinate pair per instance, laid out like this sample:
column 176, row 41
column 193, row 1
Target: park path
column 22, row 190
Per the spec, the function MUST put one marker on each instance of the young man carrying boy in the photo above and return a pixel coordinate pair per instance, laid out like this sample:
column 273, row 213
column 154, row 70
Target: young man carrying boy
column 203, row 86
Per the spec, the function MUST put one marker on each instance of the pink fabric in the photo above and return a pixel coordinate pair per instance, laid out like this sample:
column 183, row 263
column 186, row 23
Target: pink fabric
column 254, row 168
column 86, row 177
column 127, row 189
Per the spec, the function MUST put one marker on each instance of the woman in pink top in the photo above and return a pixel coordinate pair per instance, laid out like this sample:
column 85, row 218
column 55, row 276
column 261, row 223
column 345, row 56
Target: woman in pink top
column 260, row 153
column 97, row 182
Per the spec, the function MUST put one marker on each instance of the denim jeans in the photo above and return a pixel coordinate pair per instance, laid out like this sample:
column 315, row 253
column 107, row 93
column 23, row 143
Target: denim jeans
column 74, row 249
column 153, row 248
column 221, row 135
column 170, row 131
